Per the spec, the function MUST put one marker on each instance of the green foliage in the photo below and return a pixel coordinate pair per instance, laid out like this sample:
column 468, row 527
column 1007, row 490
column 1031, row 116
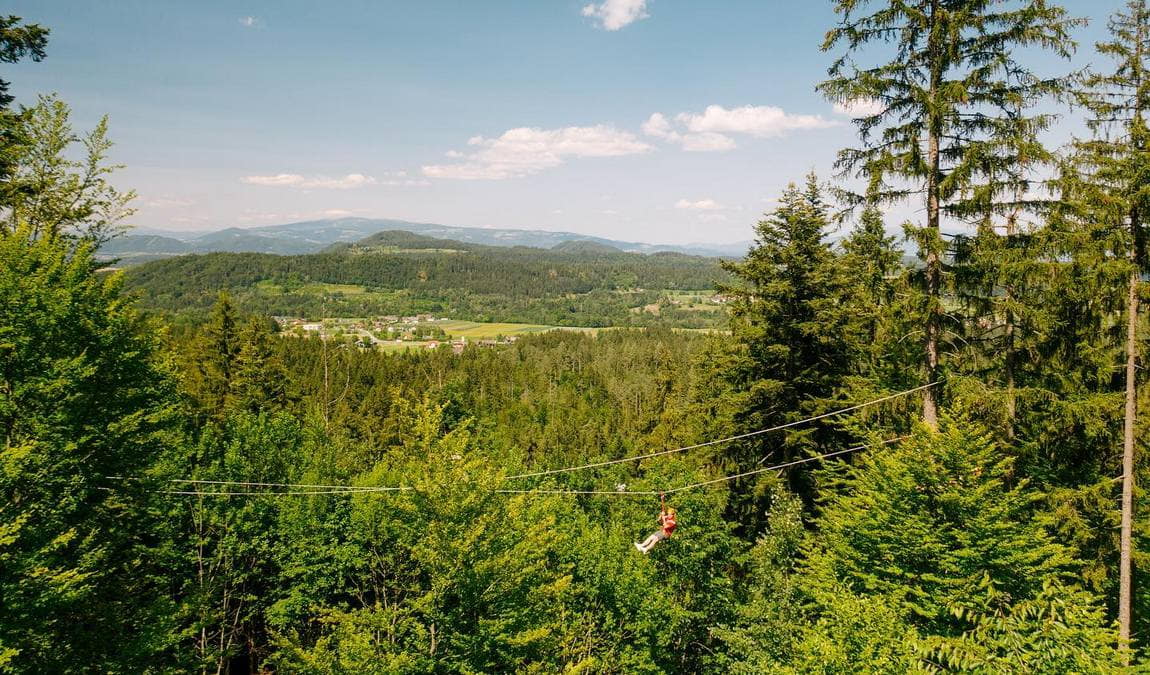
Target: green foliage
column 1061, row 630
column 934, row 522
column 82, row 397
column 18, row 41
column 51, row 191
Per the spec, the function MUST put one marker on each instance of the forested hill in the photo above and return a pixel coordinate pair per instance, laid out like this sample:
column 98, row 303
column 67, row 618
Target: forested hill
column 313, row 236
column 401, row 272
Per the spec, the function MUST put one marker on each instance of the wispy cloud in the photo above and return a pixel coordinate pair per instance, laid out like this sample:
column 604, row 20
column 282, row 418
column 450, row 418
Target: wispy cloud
column 169, row 203
column 860, row 108
column 526, row 150
column 712, row 129
column 253, row 216
column 698, row 205
column 348, row 182
column 249, row 21
column 615, row 14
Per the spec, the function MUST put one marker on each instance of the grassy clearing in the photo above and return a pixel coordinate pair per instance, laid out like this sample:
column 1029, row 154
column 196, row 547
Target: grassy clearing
column 693, row 301
column 392, row 346
column 473, row 330
column 272, row 288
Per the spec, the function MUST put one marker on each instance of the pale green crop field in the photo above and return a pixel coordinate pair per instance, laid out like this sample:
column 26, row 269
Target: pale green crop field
column 272, row 288
column 488, row 331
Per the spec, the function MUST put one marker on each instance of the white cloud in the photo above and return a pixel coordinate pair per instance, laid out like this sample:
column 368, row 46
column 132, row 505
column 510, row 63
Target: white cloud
column 406, row 182
column 658, row 126
column 615, row 14
column 860, row 108
column 700, row 205
column 350, row 181
column 710, row 131
column 278, row 179
column 762, row 121
column 707, row 142
column 169, row 203
column 526, row 150
column 252, row 216
column 249, row 21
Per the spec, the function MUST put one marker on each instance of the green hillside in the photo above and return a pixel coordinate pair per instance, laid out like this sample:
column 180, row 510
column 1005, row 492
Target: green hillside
column 403, row 273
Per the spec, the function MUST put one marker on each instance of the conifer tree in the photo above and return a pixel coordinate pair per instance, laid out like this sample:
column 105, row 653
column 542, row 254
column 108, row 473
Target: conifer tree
column 216, row 360
column 260, row 381
column 1113, row 185
column 871, row 266
column 790, row 323
column 937, row 524
column 944, row 129
column 18, row 41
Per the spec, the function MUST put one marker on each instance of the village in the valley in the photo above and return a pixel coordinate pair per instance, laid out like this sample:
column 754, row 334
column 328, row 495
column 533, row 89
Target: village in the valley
column 390, row 332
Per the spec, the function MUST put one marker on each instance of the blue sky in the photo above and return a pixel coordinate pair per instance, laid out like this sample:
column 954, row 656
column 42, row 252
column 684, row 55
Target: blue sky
column 671, row 121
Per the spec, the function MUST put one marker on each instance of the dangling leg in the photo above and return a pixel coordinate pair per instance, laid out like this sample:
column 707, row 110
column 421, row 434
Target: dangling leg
column 649, row 542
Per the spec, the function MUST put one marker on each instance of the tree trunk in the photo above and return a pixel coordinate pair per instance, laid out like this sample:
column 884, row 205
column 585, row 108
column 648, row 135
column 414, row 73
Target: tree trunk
column 1138, row 260
column 1008, row 357
column 933, row 261
column 1124, row 566
column 1009, row 368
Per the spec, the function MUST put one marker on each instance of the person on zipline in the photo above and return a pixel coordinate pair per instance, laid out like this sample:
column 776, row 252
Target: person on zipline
column 667, row 521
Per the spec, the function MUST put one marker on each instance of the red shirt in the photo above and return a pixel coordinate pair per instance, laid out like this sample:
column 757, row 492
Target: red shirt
column 668, row 521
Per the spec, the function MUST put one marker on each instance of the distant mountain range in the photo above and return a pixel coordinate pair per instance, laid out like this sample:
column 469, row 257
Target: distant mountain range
column 315, row 235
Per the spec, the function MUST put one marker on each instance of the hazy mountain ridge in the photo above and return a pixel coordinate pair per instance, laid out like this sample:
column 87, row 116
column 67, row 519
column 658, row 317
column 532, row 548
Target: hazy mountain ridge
column 314, row 236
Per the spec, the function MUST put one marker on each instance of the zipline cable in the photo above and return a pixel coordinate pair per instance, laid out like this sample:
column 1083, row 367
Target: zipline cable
column 749, row 434
column 313, row 489
column 245, row 483
column 784, row 465
column 692, row 486
column 254, row 493
column 614, row 493
column 250, row 484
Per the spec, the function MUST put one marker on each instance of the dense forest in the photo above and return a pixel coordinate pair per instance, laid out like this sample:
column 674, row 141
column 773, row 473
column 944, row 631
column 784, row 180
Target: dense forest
column 876, row 468
column 574, row 284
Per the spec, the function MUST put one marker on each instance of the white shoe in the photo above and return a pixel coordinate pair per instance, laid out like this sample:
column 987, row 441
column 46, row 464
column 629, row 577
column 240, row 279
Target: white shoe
column 639, row 546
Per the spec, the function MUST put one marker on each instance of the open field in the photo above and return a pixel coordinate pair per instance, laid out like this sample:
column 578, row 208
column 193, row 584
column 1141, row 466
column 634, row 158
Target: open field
column 272, row 288
column 474, row 330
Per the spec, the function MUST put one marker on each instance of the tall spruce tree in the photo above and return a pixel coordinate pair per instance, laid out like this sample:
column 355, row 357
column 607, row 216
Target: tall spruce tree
column 871, row 262
column 260, row 379
column 791, row 326
column 215, row 362
column 1113, row 184
column 945, row 128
